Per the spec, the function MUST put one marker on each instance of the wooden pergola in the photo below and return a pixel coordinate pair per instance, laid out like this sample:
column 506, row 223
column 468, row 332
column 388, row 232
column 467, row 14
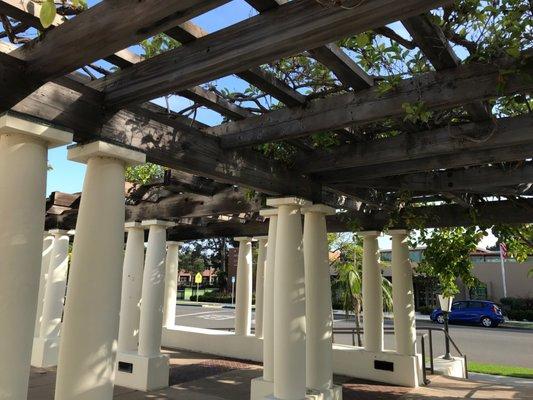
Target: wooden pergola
column 481, row 161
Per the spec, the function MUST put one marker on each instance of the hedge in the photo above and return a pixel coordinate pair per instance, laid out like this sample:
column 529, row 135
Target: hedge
column 518, row 309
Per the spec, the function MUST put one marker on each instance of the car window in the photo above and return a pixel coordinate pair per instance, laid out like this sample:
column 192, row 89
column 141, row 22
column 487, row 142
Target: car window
column 475, row 304
column 460, row 305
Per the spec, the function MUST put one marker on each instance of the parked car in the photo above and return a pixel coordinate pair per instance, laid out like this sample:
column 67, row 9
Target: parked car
column 486, row 313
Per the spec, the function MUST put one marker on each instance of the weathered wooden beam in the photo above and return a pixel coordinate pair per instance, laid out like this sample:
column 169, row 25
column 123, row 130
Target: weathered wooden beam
column 291, row 28
column 217, row 103
column 472, row 180
column 408, row 146
column 435, row 90
column 344, row 68
column 435, row 46
column 461, row 159
column 58, row 52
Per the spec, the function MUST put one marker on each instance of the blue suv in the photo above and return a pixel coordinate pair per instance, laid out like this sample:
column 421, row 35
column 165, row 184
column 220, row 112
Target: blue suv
column 486, row 313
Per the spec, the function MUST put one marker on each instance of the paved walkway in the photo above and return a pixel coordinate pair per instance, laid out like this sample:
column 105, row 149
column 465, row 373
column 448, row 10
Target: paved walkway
column 202, row 377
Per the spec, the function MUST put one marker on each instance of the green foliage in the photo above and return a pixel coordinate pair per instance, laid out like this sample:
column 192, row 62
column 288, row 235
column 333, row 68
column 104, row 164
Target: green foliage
column 447, row 256
column 416, row 112
column 517, row 238
column 158, row 44
column 144, row 173
column 49, row 11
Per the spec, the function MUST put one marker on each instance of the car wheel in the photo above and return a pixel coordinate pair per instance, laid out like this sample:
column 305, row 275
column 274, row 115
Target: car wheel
column 486, row 322
column 440, row 319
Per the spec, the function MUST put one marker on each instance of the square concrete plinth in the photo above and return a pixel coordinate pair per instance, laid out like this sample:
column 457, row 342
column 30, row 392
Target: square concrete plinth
column 335, row 393
column 142, row 373
column 454, row 367
column 44, row 353
column 260, row 388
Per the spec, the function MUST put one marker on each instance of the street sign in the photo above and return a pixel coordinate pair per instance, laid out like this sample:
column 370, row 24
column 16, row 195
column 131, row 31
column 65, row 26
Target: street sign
column 198, row 278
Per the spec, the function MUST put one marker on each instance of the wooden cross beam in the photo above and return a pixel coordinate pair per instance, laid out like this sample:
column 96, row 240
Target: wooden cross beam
column 435, row 90
column 260, row 39
column 98, row 32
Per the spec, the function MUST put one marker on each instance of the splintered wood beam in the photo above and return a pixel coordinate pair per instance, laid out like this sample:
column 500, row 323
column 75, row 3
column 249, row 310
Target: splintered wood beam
column 436, row 47
column 472, row 180
column 436, row 90
column 502, row 132
column 344, row 68
column 289, row 29
column 98, row 32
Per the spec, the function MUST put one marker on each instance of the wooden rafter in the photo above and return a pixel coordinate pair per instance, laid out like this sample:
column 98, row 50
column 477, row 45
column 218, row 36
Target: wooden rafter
column 257, row 40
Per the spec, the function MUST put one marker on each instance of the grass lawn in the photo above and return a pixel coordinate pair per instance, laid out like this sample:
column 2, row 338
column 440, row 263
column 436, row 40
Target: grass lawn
column 505, row 370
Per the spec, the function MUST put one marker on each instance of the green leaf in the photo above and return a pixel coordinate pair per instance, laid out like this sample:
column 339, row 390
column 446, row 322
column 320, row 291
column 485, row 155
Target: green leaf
column 48, row 13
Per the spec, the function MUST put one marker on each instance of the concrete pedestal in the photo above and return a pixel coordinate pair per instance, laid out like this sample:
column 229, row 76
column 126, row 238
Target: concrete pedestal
column 261, row 388
column 454, row 367
column 23, row 154
column 87, row 352
column 141, row 372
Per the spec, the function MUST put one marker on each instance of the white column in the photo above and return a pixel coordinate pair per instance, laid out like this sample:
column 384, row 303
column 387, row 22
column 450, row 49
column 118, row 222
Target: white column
column 171, row 284
column 48, row 245
column 260, row 285
column 243, row 295
column 403, row 294
column 319, row 323
column 46, row 346
column 289, row 301
column 153, row 289
column 90, row 328
column 372, row 294
column 128, row 332
column 23, row 165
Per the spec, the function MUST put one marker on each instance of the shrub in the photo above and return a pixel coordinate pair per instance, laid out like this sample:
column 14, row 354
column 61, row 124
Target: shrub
column 215, row 297
column 517, row 308
column 520, row 315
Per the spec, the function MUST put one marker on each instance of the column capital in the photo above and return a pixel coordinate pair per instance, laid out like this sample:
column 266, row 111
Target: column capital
column 158, row 222
column 244, row 239
column 14, row 124
column 132, row 225
column 398, row 232
column 83, row 152
column 260, row 238
column 72, row 232
column 369, row 233
column 288, row 201
column 268, row 212
column 319, row 209
column 59, row 232
column 173, row 243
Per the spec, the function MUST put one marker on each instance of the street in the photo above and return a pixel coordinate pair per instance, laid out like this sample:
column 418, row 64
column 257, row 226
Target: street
column 485, row 345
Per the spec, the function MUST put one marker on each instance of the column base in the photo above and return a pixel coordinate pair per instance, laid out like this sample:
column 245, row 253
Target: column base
column 335, row 393
column 454, row 367
column 142, row 373
column 261, row 388
column 45, row 352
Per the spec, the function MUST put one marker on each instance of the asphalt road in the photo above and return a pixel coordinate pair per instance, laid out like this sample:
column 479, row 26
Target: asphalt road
column 485, row 345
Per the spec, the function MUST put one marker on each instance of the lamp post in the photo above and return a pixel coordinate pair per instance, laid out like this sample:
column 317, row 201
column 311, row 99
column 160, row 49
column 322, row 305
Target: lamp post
column 446, row 307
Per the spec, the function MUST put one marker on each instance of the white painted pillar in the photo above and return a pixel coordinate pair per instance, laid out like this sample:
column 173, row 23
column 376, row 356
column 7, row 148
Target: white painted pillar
column 23, row 165
column 90, row 328
column 130, row 312
column 372, row 294
column 243, row 295
column 171, row 284
column 268, row 302
column 48, row 245
column 403, row 294
column 153, row 289
column 289, row 301
column 260, row 285
column 319, row 322
column 46, row 346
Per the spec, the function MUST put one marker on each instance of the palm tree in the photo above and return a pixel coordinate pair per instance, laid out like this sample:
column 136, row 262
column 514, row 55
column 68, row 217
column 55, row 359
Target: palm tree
column 350, row 281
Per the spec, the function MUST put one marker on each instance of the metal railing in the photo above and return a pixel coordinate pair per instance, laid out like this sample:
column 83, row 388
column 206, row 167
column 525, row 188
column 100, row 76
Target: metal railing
column 428, row 334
